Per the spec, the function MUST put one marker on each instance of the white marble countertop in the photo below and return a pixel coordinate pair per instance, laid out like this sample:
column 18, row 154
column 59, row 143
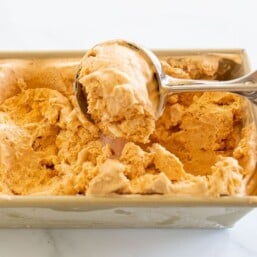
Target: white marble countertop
column 239, row 241
column 48, row 24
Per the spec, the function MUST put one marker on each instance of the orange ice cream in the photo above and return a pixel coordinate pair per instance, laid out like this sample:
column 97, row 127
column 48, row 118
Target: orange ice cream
column 117, row 81
column 203, row 144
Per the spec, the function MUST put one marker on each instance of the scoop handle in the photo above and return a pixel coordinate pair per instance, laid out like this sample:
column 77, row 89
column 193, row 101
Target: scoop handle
column 245, row 86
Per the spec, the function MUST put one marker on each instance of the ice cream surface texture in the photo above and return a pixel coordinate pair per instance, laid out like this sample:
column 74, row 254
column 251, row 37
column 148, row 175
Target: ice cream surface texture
column 203, row 144
column 119, row 84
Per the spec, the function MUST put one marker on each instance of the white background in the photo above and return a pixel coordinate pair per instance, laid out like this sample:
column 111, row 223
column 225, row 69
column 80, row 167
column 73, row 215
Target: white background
column 49, row 24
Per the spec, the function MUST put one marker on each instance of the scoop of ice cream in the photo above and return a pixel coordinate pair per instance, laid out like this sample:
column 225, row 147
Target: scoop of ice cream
column 119, row 84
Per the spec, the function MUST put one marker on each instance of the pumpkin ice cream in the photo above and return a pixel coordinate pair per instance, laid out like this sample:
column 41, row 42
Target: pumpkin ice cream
column 117, row 81
column 203, row 144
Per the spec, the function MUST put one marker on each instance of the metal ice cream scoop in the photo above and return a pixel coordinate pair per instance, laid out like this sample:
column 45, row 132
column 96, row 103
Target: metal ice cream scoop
column 166, row 85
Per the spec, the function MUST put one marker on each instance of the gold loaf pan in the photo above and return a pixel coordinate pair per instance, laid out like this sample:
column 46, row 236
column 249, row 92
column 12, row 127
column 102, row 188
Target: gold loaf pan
column 162, row 211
